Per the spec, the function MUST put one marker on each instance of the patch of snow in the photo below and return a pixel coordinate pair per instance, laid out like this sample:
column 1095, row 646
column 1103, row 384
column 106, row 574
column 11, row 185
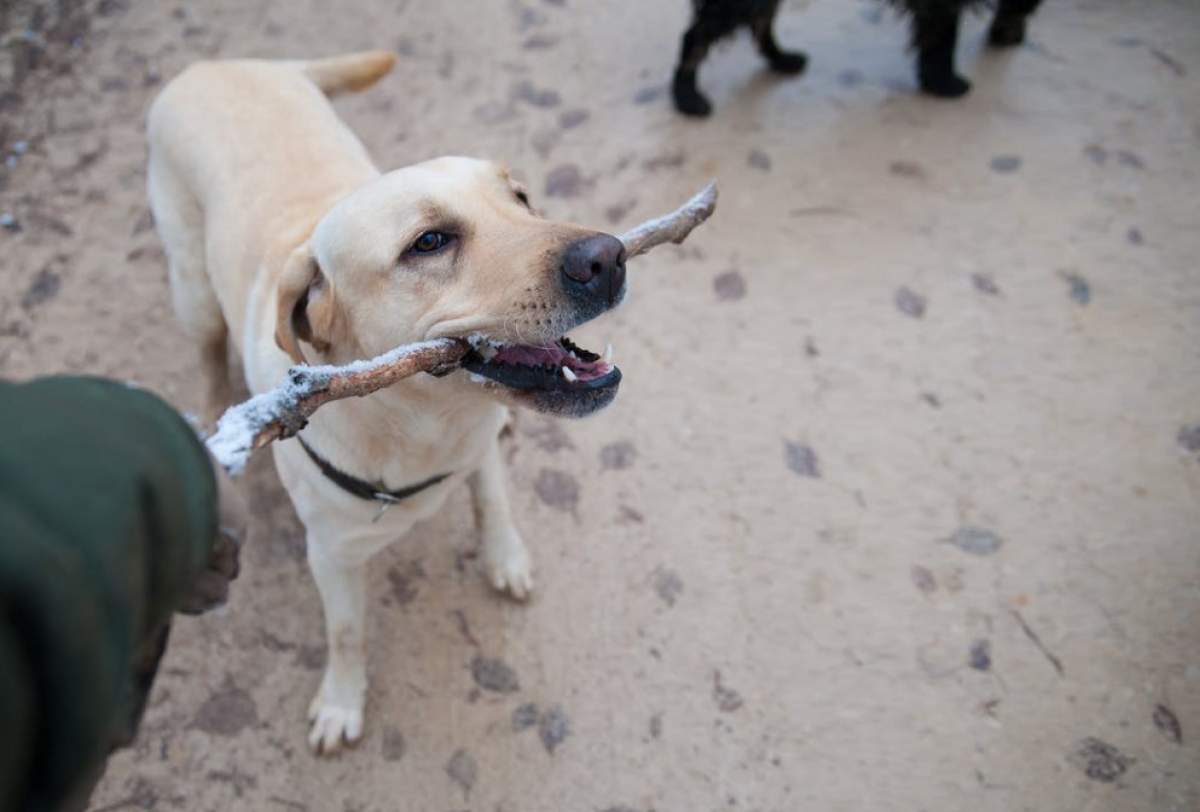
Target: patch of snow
column 366, row 365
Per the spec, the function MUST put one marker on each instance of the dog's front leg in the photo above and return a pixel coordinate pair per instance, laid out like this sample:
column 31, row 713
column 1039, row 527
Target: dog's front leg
column 936, row 36
column 336, row 712
column 694, row 48
column 505, row 557
column 1008, row 27
column 781, row 61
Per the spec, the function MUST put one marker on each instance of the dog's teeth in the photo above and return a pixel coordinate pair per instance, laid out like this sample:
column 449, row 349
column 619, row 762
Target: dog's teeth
column 608, row 355
column 569, row 375
column 486, row 347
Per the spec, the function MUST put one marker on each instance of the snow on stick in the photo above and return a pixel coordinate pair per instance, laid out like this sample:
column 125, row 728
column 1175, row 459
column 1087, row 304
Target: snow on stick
column 284, row 411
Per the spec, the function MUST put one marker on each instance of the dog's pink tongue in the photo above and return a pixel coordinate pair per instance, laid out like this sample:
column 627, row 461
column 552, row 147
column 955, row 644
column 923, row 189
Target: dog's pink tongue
column 590, row 370
column 552, row 356
column 530, row 356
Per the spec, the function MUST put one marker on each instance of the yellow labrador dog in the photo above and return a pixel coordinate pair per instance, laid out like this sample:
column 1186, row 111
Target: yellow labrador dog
column 282, row 235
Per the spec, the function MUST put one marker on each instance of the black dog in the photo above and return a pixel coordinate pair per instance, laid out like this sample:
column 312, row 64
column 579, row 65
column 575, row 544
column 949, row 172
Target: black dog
column 935, row 35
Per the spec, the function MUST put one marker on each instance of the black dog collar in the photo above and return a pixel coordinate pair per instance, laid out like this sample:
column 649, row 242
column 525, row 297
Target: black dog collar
column 374, row 492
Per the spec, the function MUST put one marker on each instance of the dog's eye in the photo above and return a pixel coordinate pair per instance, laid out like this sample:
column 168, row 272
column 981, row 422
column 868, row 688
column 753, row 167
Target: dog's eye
column 431, row 241
column 524, row 198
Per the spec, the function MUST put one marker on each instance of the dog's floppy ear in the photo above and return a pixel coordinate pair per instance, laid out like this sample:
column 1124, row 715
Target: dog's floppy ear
column 305, row 308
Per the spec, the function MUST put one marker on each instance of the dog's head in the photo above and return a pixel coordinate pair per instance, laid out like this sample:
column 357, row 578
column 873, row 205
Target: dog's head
column 452, row 248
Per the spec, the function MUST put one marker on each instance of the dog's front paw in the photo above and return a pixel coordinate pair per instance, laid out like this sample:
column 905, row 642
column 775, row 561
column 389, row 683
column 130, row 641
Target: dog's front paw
column 335, row 720
column 945, row 85
column 688, row 98
column 508, row 565
column 789, row 63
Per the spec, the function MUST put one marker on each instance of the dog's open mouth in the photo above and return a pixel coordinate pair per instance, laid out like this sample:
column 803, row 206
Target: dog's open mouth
column 560, row 377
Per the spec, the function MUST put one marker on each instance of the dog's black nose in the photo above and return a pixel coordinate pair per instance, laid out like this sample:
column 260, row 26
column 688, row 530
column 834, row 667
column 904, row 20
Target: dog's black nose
column 595, row 268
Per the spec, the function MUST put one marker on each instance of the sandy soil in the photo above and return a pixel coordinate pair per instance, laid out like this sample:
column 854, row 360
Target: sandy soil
column 898, row 508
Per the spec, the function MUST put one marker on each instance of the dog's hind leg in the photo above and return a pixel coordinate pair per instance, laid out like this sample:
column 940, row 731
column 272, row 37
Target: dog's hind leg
column 781, row 61
column 180, row 224
column 1008, row 26
column 935, row 35
column 505, row 557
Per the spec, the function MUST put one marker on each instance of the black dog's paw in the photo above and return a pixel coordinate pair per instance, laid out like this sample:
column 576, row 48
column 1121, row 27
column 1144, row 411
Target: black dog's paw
column 689, row 100
column 789, row 63
column 945, row 85
column 1007, row 32
column 693, row 104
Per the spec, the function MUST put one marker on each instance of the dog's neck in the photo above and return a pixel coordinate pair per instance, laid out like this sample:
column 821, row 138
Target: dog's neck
column 410, row 431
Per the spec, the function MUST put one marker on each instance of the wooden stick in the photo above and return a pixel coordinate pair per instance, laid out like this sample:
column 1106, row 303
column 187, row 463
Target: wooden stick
column 284, row 411
column 673, row 227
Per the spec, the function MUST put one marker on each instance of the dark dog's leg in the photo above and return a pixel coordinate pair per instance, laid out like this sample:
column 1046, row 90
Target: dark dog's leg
column 696, row 41
column 781, row 61
column 1008, row 27
column 936, row 36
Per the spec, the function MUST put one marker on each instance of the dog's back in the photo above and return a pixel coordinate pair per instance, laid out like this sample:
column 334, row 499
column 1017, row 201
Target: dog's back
column 223, row 122
column 244, row 155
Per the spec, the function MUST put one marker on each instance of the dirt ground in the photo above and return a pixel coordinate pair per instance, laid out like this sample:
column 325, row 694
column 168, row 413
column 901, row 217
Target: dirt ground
column 899, row 506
